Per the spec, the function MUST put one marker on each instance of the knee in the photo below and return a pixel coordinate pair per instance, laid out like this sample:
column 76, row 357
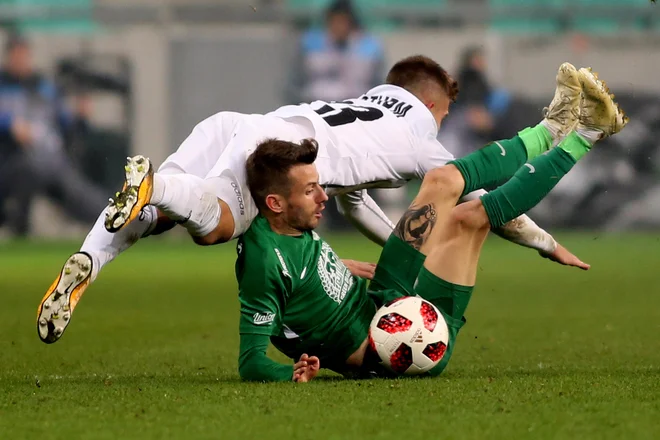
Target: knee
column 163, row 224
column 221, row 234
column 470, row 217
column 207, row 240
column 447, row 179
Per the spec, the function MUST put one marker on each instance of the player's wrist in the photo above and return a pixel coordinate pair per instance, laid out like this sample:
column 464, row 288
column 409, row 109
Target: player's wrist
column 548, row 245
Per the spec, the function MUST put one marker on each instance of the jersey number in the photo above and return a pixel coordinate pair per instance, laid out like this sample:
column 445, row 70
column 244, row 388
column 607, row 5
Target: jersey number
column 342, row 114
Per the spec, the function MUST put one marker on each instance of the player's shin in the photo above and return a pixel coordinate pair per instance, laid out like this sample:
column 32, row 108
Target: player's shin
column 103, row 246
column 184, row 199
column 534, row 181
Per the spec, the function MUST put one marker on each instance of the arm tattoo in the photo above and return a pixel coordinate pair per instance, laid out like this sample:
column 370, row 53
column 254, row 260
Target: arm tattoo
column 416, row 225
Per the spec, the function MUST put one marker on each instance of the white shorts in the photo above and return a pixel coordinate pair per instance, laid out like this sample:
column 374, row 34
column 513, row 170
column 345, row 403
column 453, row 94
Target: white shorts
column 217, row 150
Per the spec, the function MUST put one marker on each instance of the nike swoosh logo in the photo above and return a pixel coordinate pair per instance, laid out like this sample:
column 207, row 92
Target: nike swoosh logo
column 503, row 153
column 532, row 170
column 302, row 275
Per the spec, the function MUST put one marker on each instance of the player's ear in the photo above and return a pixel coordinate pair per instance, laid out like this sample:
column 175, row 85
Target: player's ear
column 275, row 203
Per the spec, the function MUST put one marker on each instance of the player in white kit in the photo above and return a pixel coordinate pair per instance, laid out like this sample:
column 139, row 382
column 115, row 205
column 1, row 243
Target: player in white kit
column 382, row 139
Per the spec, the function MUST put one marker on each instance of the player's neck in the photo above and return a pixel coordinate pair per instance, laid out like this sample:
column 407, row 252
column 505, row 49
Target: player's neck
column 279, row 226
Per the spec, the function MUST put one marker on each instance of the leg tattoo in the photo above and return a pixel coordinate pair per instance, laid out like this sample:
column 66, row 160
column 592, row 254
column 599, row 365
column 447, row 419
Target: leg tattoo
column 416, row 225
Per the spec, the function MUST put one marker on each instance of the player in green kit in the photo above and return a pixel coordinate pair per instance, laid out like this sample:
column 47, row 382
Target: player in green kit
column 297, row 294
column 288, row 276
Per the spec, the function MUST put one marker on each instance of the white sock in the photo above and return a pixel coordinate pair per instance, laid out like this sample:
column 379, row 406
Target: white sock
column 104, row 246
column 554, row 131
column 592, row 136
column 183, row 198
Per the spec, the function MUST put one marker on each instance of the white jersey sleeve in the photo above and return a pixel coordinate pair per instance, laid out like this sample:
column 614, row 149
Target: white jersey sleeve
column 363, row 213
column 432, row 155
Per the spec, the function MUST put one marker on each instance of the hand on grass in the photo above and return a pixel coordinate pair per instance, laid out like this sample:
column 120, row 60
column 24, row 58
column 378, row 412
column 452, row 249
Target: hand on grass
column 306, row 368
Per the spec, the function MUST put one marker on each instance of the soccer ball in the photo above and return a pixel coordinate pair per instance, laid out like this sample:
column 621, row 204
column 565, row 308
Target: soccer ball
column 410, row 335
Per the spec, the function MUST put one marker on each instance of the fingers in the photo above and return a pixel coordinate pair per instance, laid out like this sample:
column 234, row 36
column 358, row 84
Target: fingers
column 365, row 274
column 563, row 256
column 302, row 362
column 576, row 262
column 582, row 265
column 300, row 368
column 365, row 270
column 302, row 375
column 361, row 269
column 302, row 379
column 306, row 368
column 314, row 363
column 370, row 270
column 299, row 371
column 299, row 365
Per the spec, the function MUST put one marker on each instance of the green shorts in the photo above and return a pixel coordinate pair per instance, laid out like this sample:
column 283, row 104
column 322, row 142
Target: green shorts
column 400, row 272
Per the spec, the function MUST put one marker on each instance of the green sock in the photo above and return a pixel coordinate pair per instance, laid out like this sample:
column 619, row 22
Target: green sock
column 533, row 181
column 497, row 162
column 451, row 299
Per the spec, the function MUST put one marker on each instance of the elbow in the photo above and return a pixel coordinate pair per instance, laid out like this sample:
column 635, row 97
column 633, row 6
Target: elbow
column 346, row 209
column 247, row 375
column 247, row 372
column 251, row 372
column 341, row 209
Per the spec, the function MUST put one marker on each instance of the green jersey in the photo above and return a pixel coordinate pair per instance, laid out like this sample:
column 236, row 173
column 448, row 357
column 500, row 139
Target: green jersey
column 296, row 292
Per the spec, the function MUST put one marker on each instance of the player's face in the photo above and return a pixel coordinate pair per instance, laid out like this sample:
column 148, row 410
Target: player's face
column 306, row 199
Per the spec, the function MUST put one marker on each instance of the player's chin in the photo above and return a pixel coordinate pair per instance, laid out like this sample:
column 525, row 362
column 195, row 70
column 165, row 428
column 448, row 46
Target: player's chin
column 313, row 222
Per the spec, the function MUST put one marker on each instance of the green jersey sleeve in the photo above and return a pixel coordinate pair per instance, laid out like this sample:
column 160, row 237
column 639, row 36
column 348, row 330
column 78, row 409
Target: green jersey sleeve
column 254, row 364
column 263, row 289
column 264, row 285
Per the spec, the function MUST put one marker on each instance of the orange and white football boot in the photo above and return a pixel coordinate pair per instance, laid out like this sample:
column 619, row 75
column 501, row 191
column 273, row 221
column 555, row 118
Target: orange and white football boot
column 136, row 192
column 54, row 314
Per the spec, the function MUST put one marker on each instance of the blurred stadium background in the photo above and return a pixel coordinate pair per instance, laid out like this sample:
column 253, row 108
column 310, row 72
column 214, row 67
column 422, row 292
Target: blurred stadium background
column 146, row 71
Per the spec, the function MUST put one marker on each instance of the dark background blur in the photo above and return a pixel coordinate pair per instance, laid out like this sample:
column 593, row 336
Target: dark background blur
column 86, row 83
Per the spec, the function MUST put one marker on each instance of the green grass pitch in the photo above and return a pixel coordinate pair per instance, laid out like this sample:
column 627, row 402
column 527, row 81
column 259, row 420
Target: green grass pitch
column 548, row 352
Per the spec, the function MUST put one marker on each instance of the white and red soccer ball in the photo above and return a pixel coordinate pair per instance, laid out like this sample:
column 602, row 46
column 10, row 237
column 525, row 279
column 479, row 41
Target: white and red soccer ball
column 410, row 335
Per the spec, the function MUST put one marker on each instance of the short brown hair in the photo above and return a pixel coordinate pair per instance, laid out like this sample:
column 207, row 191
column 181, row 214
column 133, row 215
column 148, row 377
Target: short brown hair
column 269, row 165
column 412, row 72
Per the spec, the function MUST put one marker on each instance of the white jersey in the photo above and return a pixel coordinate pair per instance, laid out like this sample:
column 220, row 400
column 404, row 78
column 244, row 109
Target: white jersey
column 382, row 139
